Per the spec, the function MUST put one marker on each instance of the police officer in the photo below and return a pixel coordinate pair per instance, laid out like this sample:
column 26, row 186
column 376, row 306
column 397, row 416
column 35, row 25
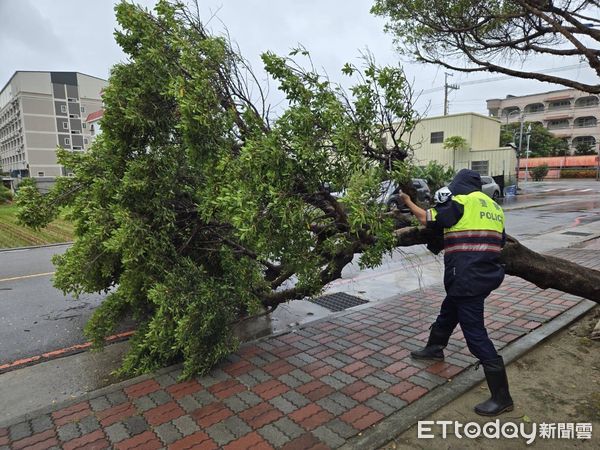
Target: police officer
column 473, row 228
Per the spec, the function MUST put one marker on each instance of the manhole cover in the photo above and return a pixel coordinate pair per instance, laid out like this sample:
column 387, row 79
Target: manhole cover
column 338, row 301
column 577, row 233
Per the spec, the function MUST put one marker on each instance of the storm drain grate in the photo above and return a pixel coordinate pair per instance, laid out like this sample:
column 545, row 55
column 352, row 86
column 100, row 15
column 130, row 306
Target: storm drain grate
column 577, row 233
column 338, row 301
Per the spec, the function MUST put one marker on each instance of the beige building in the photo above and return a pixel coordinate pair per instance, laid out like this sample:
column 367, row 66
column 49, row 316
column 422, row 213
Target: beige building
column 482, row 153
column 40, row 111
column 567, row 113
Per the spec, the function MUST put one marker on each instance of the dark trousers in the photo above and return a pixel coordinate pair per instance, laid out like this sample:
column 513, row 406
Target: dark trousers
column 468, row 312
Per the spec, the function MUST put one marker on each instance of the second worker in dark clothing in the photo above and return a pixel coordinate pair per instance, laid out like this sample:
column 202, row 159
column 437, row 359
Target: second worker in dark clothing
column 473, row 227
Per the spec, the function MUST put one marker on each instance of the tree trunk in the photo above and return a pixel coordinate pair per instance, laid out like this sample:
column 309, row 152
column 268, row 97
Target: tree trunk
column 547, row 271
column 544, row 271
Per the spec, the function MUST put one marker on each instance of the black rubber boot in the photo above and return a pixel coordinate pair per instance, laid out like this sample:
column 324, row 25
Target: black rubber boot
column 500, row 401
column 434, row 350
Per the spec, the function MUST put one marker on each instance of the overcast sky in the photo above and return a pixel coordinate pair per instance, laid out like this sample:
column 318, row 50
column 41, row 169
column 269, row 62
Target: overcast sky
column 77, row 35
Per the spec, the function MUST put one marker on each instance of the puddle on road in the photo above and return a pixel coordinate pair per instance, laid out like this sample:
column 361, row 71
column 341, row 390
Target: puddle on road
column 578, row 206
column 594, row 217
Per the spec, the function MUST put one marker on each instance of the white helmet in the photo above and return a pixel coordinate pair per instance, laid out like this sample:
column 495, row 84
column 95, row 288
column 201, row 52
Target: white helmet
column 442, row 195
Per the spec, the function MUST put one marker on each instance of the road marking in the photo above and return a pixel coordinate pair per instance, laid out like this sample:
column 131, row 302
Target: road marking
column 585, row 190
column 567, row 190
column 22, row 277
column 548, row 190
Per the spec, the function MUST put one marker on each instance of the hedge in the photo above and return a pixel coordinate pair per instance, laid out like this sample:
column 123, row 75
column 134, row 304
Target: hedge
column 578, row 173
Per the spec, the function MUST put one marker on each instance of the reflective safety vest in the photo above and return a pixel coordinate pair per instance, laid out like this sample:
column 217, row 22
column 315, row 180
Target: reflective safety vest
column 479, row 229
column 472, row 246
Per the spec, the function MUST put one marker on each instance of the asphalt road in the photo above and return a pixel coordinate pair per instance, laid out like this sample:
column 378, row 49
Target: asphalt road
column 35, row 317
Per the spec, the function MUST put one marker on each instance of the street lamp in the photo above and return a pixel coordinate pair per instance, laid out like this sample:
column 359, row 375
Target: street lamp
column 598, row 164
column 528, row 134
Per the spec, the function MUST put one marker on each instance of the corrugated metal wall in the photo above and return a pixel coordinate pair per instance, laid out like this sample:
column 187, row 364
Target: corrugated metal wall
column 482, row 135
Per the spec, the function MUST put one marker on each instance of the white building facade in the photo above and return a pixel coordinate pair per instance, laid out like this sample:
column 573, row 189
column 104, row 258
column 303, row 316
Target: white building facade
column 93, row 123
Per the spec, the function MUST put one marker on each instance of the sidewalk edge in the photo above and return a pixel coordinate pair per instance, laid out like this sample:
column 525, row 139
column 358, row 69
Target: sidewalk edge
column 385, row 431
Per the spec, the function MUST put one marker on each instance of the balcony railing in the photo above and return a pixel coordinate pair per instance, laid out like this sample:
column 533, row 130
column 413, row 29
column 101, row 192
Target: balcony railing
column 558, row 108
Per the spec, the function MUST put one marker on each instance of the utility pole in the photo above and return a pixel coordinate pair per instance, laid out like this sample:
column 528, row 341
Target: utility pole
column 448, row 87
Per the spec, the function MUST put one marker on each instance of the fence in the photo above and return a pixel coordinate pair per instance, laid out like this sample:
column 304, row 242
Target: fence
column 556, row 164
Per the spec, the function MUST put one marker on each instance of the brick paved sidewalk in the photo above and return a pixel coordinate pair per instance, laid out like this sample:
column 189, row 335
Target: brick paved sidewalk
column 313, row 388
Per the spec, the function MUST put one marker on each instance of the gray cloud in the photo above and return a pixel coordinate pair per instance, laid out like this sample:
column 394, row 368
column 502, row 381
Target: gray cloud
column 24, row 28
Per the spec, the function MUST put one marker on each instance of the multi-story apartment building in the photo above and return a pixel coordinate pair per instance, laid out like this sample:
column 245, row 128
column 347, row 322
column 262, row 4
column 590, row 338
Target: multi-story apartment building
column 569, row 114
column 40, row 111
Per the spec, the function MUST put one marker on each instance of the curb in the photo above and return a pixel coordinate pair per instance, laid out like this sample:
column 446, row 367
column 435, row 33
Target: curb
column 61, row 353
column 533, row 205
column 388, row 429
column 57, row 244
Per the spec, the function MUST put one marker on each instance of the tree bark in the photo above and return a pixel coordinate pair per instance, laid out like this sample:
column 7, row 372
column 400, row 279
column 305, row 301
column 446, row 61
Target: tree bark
column 544, row 271
column 547, row 271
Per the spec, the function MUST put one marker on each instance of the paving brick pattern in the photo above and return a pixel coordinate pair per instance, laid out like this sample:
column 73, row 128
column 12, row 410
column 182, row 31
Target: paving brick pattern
column 314, row 388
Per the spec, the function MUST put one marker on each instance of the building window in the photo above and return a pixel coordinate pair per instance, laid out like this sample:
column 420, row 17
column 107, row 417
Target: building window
column 557, row 124
column 65, row 126
column 437, row 137
column 84, row 125
column 63, row 108
column 584, row 122
column 85, row 141
column 481, row 167
column 560, row 104
column 67, row 141
column 587, row 140
column 71, row 99
column 40, row 174
column 82, row 109
column 585, row 102
column 534, row 108
column 77, row 147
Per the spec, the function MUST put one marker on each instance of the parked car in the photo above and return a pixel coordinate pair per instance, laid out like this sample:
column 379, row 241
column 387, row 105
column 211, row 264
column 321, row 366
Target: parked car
column 391, row 193
column 490, row 187
column 422, row 188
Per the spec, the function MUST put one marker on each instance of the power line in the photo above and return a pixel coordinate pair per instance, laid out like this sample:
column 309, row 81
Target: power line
column 504, row 77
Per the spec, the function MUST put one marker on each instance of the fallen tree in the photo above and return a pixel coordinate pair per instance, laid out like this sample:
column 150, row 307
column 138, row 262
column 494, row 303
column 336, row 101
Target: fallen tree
column 545, row 271
column 198, row 205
